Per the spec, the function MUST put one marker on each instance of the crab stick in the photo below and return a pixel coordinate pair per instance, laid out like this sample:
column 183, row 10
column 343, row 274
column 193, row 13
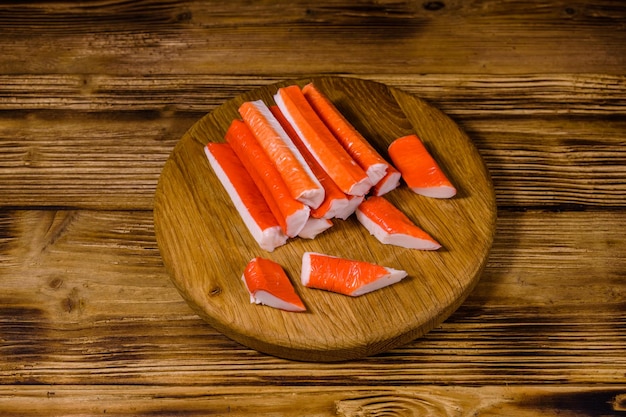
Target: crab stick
column 390, row 182
column 314, row 227
column 346, row 276
column 246, row 196
column 348, row 136
column 301, row 182
column 419, row 169
column 268, row 284
column 336, row 202
column 290, row 213
column 392, row 227
column 324, row 147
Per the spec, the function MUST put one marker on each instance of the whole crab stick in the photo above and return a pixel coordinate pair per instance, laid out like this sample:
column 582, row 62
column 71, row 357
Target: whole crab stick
column 320, row 141
column 392, row 227
column 348, row 136
column 301, row 182
column 336, row 202
column 246, row 196
column 419, row 169
column 290, row 213
column 268, row 284
column 346, row 276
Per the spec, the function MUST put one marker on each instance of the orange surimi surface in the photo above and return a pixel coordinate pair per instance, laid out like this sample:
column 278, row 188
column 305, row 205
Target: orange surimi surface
column 335, row 203
column 337, row 163
column 268, row 284
column 390, row 226
column 290, row 213
column 301, row 182
column 350, row 138
column 390, row 182
column 246, row 196
column 419, row 169
column 345, row 276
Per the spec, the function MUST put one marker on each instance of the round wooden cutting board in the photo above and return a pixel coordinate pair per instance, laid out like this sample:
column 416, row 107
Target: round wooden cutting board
column 206, row 246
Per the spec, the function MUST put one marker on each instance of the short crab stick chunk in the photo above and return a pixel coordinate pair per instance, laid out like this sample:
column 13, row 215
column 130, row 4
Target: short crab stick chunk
column 346, row 276
column 246, row 196
column 291, row 214
column 320, row 141
column 390, row 182
column 392, row 227
column 314, row 227
column 348, row 136
column 268, row 284
column 336, row 202
column 419, row 169
column 301, row 182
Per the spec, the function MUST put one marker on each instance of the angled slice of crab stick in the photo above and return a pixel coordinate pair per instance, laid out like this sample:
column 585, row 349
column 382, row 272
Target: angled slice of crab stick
column 348, row 136
column 390, row 182
column 246, row 196
column 301, row 182
column 320, row 141
column 290, row 213
column 346, row 276
column 268, row 284
column 314, row 227
column 419, row 169
column 392, row 227
column 335, row 202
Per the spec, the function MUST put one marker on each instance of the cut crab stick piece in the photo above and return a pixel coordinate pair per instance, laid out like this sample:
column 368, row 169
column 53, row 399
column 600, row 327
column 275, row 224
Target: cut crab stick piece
column 392, row 227
column 246, row 196
column 419, row 169
column 336, row 202
column 353, row 202
column 268, row 284
column 348, row 136
column 390, row 182
column 346, row 276
column 320, row 141
column 314, row 227
column 290, row 213
column 300, row 180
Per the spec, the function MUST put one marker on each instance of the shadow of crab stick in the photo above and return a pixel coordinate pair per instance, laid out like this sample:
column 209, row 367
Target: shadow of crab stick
column 290, row 213
column 268, row 284
column 392, row 227
column 346, row 276
column 347, row 135
column 320, row 141
column 245, row 195
column 419, row 169
column 336, row 203
column 301, row 182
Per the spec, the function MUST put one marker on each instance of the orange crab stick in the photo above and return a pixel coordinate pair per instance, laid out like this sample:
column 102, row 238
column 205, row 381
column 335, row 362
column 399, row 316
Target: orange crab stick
column 348, row 136
column 419, row 170
column 290, row 213
column 335, row 203
column 324, row 147
column 268, row 284
column 392, row 227
column 390, row 182
column 346, row 276
column 301, row 182
column 246, row 196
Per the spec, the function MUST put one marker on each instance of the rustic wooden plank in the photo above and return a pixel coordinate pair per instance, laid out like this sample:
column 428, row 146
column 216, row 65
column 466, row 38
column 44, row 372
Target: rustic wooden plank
column 354, row 401
column 104, row 147
column 86, row 300
column 161, row 37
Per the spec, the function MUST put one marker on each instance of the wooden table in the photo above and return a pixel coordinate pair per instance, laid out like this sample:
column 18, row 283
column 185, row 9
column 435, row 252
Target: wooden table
column 94, row 96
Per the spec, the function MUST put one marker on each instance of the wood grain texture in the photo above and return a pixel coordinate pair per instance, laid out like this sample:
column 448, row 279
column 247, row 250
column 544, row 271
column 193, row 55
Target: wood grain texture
column 205, row 244
column 547, row 140
column 540, row 314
